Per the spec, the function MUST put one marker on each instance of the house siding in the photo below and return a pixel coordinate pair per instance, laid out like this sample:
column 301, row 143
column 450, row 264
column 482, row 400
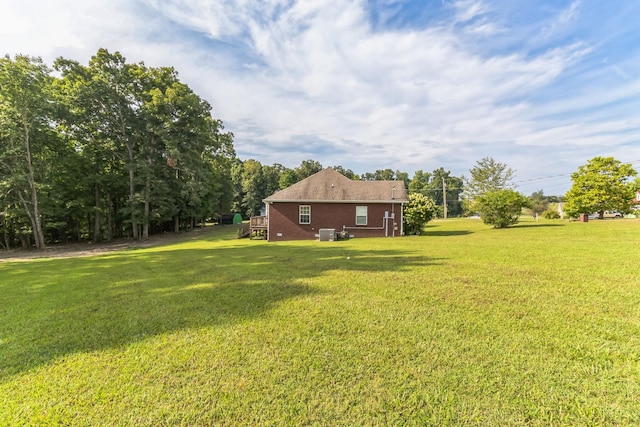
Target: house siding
column 284, row 225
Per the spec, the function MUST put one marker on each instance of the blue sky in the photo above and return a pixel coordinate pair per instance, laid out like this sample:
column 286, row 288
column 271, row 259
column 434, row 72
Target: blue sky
column 542, row 86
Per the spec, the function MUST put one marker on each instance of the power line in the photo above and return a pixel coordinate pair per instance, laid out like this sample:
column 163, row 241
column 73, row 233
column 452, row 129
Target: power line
column 543, row 178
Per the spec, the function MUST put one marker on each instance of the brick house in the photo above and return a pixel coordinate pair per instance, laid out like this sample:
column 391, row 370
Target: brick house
column 330, row 201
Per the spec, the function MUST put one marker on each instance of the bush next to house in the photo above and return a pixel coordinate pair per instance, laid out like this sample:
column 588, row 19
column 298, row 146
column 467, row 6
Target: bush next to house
column 418, row 212
column 501, row 208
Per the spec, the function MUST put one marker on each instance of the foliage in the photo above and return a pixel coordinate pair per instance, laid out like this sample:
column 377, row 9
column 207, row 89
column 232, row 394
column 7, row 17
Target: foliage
column 105, row 150
column 551, row 214
column 501, row 208
column 344, row 333
column 538, row 202
column 486, row 176
column 307, row 168
column 26, row 138
column 346, row 172
column 600, row 185
column 431, row 185
column 386, row 175
column 418, row 212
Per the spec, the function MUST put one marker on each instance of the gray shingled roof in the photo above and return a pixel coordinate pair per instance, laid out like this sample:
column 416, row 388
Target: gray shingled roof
column 331, row 186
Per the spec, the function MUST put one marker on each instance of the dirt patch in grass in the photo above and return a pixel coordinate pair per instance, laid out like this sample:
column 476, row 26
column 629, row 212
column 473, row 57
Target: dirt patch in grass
column 71, row 250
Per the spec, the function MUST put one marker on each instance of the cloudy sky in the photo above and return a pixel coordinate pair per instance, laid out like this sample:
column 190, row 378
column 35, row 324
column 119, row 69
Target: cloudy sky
column 542, row 86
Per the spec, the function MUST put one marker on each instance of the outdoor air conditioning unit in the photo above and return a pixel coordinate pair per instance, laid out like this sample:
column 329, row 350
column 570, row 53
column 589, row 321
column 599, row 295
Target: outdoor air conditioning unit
column 327, row 234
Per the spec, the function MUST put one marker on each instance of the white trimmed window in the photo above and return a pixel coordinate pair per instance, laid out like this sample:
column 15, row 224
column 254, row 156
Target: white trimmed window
column 304, row 214
column 361, row 215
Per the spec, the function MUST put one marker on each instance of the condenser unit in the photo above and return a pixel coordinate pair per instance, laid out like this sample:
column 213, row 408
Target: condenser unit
column 327, row 234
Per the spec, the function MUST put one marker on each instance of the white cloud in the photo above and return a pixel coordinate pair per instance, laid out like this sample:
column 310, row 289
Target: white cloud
column 304, row 74
column 467, row 10
column 561, row 21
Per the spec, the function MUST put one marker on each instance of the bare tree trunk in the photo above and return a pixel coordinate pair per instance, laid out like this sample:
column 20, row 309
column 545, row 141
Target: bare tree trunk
column 5, row 233
column 97, row 220
column 132, row 193
column 147, row 196
column 109, row 218
column 29, row 214
column 6, row 239
column 147, row 190
column 35, row 219
column 176, row 224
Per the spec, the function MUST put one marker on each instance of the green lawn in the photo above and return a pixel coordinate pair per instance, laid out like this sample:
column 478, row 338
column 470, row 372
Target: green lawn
column 538, row 324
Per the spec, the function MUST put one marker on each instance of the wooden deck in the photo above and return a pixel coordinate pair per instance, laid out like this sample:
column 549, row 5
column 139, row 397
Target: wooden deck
column 258, row 227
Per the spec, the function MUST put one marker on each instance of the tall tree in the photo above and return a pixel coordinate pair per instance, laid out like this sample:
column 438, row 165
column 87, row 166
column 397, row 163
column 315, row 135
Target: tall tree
column 380, row 175
column 435, row 185
column 307, row 168
column 346, row 172
column 25, row 115
column 487, row 175
column 253, row 187
column 600, row 185
column 449, row 187
column 116, row 109
column 538, row 202
column 271, row 176
column 420, row 183
column 287, row 178
column 85, row 121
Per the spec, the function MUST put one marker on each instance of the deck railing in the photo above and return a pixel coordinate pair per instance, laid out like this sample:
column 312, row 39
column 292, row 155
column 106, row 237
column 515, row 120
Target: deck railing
column 256, row 222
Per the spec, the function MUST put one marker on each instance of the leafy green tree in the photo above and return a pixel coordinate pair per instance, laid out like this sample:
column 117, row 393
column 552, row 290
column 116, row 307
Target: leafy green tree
column 487, row 175
column 288, row 177
column 271, row 176
column 253, row 187
column 418, row 212
column 453, row 186
column 85, row 119
column 25, row 132
column 346, row 172
column 431, row 185
column 600, row 185
column 501, row 208
column 420, row 183
column 237, row 169
column 129, row 120
column 307, row 168
column 116, row 109
column 103, row 143
column 382, row 175
column 538, row 202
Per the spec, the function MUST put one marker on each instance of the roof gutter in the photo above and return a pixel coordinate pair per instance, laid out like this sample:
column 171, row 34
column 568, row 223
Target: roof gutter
column 402, row 202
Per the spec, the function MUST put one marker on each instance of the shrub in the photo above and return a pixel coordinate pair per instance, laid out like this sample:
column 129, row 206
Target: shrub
column 551, row 214
column 418, row 212
column 501, row 208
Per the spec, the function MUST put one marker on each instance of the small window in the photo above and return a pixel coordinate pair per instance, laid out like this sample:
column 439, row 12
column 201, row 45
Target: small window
column 305, row 214
column 361, row 215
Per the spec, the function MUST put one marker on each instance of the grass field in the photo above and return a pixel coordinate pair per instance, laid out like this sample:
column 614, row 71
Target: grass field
column 538, row 324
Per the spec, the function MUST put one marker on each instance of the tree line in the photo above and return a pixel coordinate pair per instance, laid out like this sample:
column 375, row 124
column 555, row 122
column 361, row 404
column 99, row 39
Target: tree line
column 113, row 149
column 253, row 182
column 105, row 150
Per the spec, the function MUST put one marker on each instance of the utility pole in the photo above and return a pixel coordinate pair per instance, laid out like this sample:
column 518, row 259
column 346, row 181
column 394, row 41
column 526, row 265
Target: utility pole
column 444, row 198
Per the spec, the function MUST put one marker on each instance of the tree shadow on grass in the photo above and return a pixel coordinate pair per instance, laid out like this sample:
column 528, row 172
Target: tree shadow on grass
column 445, row 233
column 537, row 225
column 56, row 307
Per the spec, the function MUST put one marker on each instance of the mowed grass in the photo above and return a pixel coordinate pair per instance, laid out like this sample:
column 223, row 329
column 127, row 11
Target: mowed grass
column 538, row 324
